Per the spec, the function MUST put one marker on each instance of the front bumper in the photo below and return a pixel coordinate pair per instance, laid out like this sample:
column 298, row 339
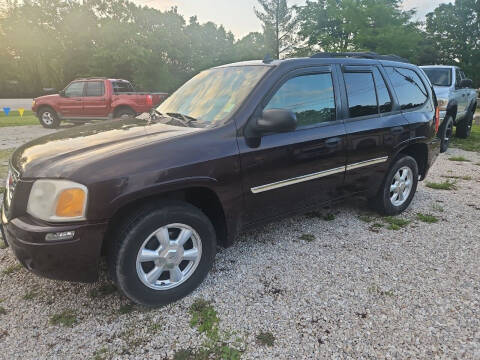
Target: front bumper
column 72, row 260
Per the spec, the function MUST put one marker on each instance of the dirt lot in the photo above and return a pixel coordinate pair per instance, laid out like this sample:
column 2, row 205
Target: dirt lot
column 337, row 283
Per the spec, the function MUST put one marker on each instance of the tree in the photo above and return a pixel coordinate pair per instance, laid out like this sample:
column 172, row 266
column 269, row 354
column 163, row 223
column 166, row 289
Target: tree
column 278, row 21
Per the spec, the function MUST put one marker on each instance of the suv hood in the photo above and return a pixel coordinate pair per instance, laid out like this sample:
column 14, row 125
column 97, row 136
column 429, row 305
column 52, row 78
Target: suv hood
column 62, row 153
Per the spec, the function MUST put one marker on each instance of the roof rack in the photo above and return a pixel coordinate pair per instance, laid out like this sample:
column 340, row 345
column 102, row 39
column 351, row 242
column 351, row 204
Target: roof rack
column 361, row 55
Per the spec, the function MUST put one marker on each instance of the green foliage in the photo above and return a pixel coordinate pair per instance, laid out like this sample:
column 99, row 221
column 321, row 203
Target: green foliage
column 125, row 309
column 446, row 185
column 458, row 158
column 205, row 318
column 427, row 218
column 12, row 268
column 66, row 318
column 395, row 223
column 472, row 143
column 14, row 119
column 266, row 338
column 307, row 237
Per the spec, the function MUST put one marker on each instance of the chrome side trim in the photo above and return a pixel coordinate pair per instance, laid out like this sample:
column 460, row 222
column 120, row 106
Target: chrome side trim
column 296, row 180
column 367, row 163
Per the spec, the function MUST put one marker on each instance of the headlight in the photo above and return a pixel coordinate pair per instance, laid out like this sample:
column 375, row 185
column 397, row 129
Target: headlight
column 442, row 104
column 57, row 200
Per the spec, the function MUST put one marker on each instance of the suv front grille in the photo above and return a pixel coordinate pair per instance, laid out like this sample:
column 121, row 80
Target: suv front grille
column 12, row 180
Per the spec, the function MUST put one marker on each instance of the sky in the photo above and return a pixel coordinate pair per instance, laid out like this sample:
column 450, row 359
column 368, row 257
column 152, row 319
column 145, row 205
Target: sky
column 238, row 16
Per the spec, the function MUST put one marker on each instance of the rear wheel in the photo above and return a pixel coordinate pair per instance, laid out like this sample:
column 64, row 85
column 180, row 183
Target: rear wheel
column 398, row 188
column 125, row 113
column 447, row 133
column 464, row 128
column 48, row 118
column 163, row 253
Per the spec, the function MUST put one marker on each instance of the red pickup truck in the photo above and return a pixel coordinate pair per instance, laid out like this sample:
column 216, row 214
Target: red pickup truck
column 94, row 98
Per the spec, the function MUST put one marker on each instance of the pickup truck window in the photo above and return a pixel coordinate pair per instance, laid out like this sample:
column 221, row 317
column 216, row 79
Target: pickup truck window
column 439, row 76
column 122, row 87
column 95, row 88
column 75, row 89
column 410, row 89
column 362, row 100
column 213, row 95
column 458, row 77
column 311, row 97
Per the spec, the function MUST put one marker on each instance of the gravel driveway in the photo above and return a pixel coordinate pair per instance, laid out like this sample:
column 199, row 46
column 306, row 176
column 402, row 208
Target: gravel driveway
column 337, row 283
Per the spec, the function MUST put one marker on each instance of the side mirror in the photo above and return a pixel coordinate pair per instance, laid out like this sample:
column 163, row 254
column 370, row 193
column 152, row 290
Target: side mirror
column 466, row 83
column 62, row 93
column 273, row 121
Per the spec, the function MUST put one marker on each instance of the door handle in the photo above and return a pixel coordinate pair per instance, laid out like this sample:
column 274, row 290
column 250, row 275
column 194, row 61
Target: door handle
column 333, row 142
column 397, row 130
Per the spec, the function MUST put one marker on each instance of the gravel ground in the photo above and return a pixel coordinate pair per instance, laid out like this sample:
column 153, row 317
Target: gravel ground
column 355, row 290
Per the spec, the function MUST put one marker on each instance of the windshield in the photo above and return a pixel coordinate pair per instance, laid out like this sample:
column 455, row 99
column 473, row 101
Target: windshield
column 439, row 76
column 214, row 94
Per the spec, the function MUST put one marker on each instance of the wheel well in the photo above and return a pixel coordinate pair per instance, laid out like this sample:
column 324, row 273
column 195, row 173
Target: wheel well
column 203, row 198
column 41, row 107
column 452, row 111
column 420, row 153
column 122, row 107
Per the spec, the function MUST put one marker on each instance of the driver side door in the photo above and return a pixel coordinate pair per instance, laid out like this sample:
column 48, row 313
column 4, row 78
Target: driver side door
column 71, row 104
column 291, row 171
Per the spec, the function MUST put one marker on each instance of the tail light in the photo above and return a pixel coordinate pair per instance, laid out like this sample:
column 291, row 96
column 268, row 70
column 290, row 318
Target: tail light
column 437, row 118
column 149, row 100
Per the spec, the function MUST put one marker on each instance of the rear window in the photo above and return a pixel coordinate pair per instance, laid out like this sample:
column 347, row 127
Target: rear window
column 439, row 76
column 362, row 100
column 122, row 87
column 411, row 91
column 95, row 88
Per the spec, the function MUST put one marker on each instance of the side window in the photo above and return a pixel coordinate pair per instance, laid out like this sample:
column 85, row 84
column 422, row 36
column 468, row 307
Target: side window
column 384, row 99
column 458, row 77
column 362, row 100
column 311, row 97
column 95, row 88
column 122, row 87
column 74, row 89
column 410, row 89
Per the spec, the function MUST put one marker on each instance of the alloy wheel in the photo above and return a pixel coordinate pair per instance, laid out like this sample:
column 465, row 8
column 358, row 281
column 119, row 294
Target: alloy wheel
column 401, row 186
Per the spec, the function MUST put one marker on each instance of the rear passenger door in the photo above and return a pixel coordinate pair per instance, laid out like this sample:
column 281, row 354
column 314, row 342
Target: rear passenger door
column 374, row 123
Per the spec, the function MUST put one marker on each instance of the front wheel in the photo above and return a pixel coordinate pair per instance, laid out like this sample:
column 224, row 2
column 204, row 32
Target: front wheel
column 398, row 188
column 48, row 118
column 163, row 253
column 446, row 133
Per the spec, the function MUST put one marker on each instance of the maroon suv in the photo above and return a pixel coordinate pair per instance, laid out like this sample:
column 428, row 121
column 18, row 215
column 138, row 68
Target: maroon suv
column 235, row 147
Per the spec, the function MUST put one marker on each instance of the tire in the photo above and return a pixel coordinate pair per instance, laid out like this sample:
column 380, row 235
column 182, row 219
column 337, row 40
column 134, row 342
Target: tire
column 446, row 133
column 125, row 113
column 48, row 118
column 464, row 128
column 383, row 202
column 129, row 270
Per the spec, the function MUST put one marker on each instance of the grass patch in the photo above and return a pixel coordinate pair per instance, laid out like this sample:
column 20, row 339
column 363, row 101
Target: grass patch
column 307, row 237
column 446, row 185
column 2, row 310
column 366, row 218
column 466, row 177
column 66, row 318
column 437, row 207
column 3, row 245
column 103, row 290
column 458, row 158
column 375, row 227
column 266, row 338
column 125, row 309
column 329, row 217
column 11, row 269
column 101, row 354
column 427, row 218
column 14, row 119
column 204, row 317
column 30, row 295
column 374, row 289
column 472, row 143
column 395, row 223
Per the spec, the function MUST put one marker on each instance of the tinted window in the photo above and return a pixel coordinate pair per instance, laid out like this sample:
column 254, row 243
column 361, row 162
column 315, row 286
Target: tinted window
column 74, row 89
column 384, row 99
column 439, row 76
column 310, row 97
column 122, row 87
column 362, row 100
column 409, row 88
column 458, row 77
column 95, row 88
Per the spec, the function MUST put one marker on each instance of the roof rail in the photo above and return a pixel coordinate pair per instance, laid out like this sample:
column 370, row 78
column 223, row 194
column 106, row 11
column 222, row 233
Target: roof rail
column 361, row 55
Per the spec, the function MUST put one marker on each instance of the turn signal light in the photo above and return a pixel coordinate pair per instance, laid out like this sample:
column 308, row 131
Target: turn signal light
column 70, row 203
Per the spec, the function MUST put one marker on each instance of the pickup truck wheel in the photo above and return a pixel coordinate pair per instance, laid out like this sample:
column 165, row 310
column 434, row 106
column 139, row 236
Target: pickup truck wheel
column 163, row 253
column 125, row 113
column 464, row 128
column 48, row 118
column 446, row 134
column 398, row 188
